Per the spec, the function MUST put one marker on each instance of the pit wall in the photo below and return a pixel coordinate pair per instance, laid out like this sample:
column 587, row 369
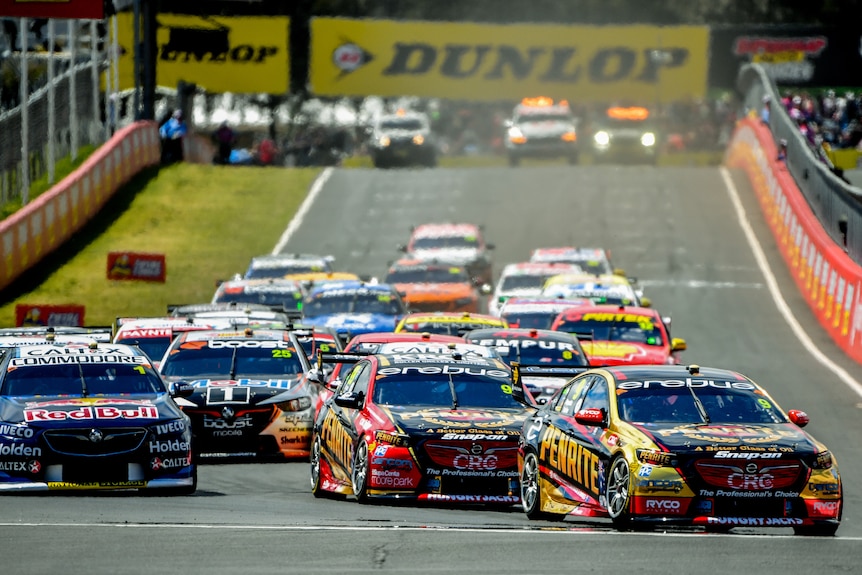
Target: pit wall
column 826, row 276
column 44, row 224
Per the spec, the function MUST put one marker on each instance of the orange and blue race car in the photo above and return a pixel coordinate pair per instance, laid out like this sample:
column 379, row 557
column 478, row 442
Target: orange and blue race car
column 615, row 335
column 667, row 445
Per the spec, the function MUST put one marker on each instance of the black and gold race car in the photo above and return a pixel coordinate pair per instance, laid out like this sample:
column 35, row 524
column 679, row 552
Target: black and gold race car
column 665, row 444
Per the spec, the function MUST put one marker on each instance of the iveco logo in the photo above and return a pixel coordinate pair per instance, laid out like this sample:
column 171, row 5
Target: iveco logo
column 227, row 412
column 96, row 436
column 476, row 449
column 751, row 468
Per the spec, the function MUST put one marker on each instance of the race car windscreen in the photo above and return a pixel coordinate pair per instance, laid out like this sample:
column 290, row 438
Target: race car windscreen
column 464, row 391
column 546, row 353
column 543, row 118
column 516, row 282
column 82, row 380
column 153, row 347
column 339, row 301
column 608, row 327
column 279, row 271
column 532, row 319
column 699, row 405
column 285, row 299
column 445, row 242
column 408, row 124
column 427, row 275
column 231, row 362
column 457, row 328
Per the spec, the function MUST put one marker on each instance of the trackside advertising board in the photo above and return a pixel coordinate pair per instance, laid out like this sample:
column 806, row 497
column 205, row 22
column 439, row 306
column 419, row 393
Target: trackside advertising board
column 828, row 279
column 31, row 315
column 218, row 53
column 498, row 62
column 84, row 9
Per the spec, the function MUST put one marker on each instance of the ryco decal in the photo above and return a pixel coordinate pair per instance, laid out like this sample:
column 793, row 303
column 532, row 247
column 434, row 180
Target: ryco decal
column 494, row 62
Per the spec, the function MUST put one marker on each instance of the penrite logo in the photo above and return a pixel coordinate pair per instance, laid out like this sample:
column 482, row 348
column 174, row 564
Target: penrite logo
column 209, row 41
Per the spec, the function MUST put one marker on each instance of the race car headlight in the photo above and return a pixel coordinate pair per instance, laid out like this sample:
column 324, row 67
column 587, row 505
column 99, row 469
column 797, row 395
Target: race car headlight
column 392, row 438
column 823, row 460
column 569, row 136
column 418, row 139
column 648, row 140
column 384, row 141
column 516, row 136
column 657, row 458
column 602, row 138
column 296, row 404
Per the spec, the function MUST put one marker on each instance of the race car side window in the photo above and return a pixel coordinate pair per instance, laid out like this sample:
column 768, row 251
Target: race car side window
column 596, row 396
column 566, row 399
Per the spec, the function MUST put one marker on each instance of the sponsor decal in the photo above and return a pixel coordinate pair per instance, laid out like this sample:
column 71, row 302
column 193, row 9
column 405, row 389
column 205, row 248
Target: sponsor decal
column 688, row 382
column 527, row 343
column 96, row 484
column 388, row 463
column 136, row 266
column 730, row 434
column 645, row 471
column 833, row 488
column 438, row 370
column 20, row 449
column 755, row 521
column 20, row 431
column 475, row 436
column 570, row 458
column 471, row 498
column 336, row 440
column 72, row 359
column 660, row 506
column 82, row 413
column 28, row 315
column 171, row 427
column 748, row 494
column 783, row 58
column 746, row 455
column 21, row 466
column 157, row 463
column 172, row 446
column 240, row 422
column 659, row 485
column 221, row 54
column 828, row 508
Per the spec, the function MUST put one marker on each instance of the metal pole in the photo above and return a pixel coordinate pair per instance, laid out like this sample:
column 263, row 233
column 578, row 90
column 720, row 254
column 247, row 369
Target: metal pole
column 52, row 121
column 115, row 55
column 25, row 136
column 94, row 79
column 136, row 31
column 73, row 96
column 109, row 90
column 150, row 55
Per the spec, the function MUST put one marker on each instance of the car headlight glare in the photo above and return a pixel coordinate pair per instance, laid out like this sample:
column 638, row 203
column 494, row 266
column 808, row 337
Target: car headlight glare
column 418, row 139
column 385, row 141
column 602, row 138
column 823, row 460
column 516, row 136
column 648, row 140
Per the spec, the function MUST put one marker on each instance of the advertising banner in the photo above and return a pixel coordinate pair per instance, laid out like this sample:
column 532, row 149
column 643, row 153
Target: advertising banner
column 29, row 315
column 504, row 62
column 792, row 56
column 218, row 53
column 83, row 9
column 136, row 266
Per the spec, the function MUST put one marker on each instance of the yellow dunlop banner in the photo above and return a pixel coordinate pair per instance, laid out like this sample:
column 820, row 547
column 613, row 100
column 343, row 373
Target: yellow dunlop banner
column 218, row 53
column 497, row 62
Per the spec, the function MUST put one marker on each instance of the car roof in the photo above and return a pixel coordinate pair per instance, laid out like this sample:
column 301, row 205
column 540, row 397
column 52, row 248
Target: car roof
column 451, row 316
column 274, row 260
column 592, row 279
column 676, row 372
column 536, row 268
column 352, row 286
column 520, row 333
column 385, row 337
column 235, row 335
column 426, row 359
column 434, row 230
column 610, row 309
column 105, row 352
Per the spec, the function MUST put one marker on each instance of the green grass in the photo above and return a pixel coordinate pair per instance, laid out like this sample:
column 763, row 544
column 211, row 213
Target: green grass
column 209, row 221
column 62, row 168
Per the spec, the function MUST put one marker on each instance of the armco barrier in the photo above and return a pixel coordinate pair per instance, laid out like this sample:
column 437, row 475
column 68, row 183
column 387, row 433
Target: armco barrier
column 44, row 224
column 828, row 278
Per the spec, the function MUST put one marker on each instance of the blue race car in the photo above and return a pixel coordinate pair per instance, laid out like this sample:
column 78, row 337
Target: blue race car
column 353, row 307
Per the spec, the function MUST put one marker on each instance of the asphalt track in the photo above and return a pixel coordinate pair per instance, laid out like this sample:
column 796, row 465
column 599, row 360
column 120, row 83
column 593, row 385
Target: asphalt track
column 676, row 229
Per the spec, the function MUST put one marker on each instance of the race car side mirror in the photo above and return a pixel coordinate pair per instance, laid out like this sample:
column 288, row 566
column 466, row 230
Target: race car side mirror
column 591, row 416
column 181, row 389
column 678, row 344
column 800, row 418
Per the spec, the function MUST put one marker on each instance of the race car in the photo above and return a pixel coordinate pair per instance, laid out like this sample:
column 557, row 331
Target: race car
column 541, row 128
column 460, row 244
column 240, row 314
column 593, row 260
column 280, row 265
column 558, row 354
column 537, row 313
column 251, row 397
column 36, row 335
column 610, row 289
column 268, row 291
column 311, row 280
column 93, row 416
column 664, row 445
column 619, row 334
column 449, row 323
column 153, row 335
column 525, row 279
column 353, row 307
column 625, row 133
column 403, row 139
column 429, row 286
column 427, row 427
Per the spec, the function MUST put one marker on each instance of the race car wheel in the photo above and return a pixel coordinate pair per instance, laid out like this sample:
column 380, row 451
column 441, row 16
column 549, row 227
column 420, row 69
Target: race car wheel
column 531, row 491
column 315, row 467
column 618, row 493
column 825, row 530
column 359, row 474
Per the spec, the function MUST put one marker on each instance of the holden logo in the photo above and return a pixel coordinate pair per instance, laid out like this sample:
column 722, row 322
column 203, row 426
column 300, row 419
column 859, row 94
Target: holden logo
column 96, row 436
column 227, row 412
column 751, row 468
column 476, row 449
column 349, row 57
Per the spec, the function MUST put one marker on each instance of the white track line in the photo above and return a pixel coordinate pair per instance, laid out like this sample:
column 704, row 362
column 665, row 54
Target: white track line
column 772, row 284
column 303, row 209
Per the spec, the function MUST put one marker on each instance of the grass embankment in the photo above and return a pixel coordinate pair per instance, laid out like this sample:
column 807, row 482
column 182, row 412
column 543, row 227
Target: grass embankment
column 209, row 221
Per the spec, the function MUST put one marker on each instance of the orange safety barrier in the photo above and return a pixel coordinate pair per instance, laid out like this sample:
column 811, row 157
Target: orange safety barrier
column 826, row 276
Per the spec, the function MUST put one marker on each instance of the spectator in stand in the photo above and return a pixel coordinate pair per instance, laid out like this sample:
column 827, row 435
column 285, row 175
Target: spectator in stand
column 225, row 138
column 766, row 110
column 172, row 133
column 265, row 153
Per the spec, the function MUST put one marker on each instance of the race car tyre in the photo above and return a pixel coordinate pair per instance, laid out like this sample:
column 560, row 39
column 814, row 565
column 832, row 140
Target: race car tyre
column 514, row 160
column 618, row 493
column 180, row 491
column 315, row 467
column 823, row 530
column 359, row 473
column 531, row 492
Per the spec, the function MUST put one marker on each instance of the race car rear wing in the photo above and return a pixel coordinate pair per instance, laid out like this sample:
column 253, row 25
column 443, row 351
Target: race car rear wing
column 353, row 357
column 100, row 333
